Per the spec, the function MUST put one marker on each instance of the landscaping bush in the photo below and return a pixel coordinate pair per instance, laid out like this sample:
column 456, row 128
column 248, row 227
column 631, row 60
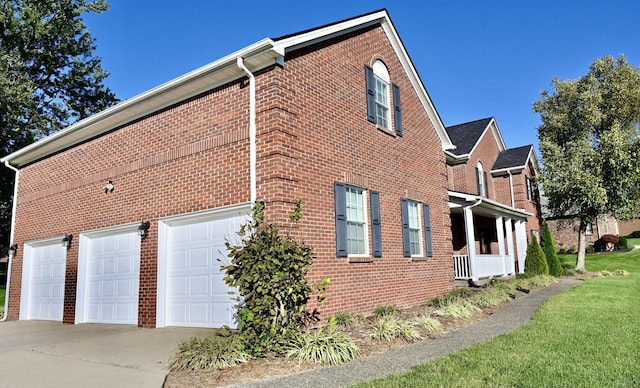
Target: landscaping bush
column 388, row 328
column 345, row 319
column 325, row 346
column 213, row 352
column 535, row 261
column 430, row 325
column 549, row 248
column 562, row 251
column 459, row 309
column 635, row 234
column 622, row 243
column 454, row 295
column 383, row 311
column 590, row 249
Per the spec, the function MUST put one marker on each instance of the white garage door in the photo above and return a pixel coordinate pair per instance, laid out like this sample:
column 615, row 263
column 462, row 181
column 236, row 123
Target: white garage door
column 112, row 279
column 45, row 274
column 197, row 295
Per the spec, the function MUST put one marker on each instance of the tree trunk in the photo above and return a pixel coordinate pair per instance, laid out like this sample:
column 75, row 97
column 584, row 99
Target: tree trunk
column 582, row 246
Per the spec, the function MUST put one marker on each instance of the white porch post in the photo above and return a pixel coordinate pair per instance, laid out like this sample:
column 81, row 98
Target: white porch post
column 510, row 256
column 501, row 250
column 471, row 241
column 521, row 241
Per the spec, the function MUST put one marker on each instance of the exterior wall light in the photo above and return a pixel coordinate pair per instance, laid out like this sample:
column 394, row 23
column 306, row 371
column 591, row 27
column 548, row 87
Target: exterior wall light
column 66, row 240
column 13, row 250
column 143, row 229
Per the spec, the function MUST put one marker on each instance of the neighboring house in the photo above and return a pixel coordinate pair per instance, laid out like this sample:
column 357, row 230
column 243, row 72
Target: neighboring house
column 565, row 230
column 122, row 217
column 493, row 198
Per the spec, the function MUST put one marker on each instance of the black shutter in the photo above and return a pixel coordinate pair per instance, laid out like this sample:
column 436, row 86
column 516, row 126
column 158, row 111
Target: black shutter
column 371, row 94
column 340, row 193
column 397, row 110
column 376, row 226
column 486, row 185
column 406, row 243
column 478, row 182
column 427, row 230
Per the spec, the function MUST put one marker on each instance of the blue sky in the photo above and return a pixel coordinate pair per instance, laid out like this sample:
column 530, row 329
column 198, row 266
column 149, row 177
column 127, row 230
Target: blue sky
column 476, row 58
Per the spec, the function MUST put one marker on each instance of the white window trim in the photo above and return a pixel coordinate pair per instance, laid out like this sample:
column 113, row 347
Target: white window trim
column 421, row 236
column 365, row 206
column 380, row 72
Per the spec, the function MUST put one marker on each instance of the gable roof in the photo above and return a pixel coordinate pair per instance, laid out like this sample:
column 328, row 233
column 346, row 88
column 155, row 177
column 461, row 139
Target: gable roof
column 513, row 158
column 465, row 136
column 255, row 57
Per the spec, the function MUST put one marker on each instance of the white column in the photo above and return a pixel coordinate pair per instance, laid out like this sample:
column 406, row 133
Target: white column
column 511, row 255
column 471, row 241
column 501, row 250
column 521, row 241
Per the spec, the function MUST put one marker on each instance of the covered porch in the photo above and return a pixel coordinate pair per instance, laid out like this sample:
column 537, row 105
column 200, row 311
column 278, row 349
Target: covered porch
column 497, row 234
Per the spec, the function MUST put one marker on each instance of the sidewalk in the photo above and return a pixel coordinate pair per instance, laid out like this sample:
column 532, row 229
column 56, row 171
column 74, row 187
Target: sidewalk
column 506, row 319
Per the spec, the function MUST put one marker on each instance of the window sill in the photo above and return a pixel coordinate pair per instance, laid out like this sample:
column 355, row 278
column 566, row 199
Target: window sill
column 387, row 131
column 361, row 259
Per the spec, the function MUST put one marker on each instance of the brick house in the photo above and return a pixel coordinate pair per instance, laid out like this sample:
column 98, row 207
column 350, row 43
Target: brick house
column 493, row 198
column 565, row 230
column 122, row 217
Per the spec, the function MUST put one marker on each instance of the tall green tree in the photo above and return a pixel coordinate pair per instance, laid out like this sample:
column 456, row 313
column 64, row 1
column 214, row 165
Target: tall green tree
column 49, row 77
column 590, row 146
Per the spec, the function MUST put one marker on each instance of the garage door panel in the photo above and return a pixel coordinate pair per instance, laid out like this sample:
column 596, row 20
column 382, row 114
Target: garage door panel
column 113, row 278
column 197, row 295
column 44, row 288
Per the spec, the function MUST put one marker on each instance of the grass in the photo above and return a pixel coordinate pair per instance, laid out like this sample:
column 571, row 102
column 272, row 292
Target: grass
column 587, row 336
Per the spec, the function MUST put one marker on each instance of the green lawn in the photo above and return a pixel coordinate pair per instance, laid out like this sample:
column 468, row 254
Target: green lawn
column 588, row 336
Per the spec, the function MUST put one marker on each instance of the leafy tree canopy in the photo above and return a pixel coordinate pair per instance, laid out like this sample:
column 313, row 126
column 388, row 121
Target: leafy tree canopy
column 590, row 145
column 49, row 77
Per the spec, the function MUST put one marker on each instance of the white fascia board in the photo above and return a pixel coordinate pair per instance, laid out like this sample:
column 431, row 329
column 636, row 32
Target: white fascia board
column 382, row 17
column 257, row 56
column 496, row 135
column 487, row 203
column 504, row 171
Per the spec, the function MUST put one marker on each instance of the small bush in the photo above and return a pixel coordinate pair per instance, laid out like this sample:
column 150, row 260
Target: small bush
column 548, row 245
column 383, row 311
column 605, row 274
column 563, row 251
column 430, row 325
column 213, row 352
column 345, row 319
column 324, row 346
column 543, row 280
column 635, row 234
column 568, row 271
column 490, row 298
column 454, row 295
column 622, row 243
column 620, row 272
column 535, row 260
column 388, row 328
column 590, row 249
column 458, row 309
column 571, row 250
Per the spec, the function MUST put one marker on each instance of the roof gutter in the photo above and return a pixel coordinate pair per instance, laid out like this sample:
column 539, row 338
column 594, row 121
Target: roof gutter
column 13, row 224
column 252, row 128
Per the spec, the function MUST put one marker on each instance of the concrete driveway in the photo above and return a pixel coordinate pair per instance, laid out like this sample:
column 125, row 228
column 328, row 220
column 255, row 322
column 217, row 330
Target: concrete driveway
column 52, row 354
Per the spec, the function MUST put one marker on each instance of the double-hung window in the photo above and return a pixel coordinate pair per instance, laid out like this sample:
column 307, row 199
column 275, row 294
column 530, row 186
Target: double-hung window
column 356, row 221
column 416, row 229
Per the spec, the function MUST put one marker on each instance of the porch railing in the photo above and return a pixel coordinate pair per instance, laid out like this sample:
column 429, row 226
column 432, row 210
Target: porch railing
column 485, row 266
column 462, row 266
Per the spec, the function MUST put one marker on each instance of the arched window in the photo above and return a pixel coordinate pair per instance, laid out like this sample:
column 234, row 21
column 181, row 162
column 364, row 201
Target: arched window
column 383, row 98
column 381, row 75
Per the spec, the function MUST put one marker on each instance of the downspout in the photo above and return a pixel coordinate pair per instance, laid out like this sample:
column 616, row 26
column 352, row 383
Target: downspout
column 252, row 128
column 13, row 224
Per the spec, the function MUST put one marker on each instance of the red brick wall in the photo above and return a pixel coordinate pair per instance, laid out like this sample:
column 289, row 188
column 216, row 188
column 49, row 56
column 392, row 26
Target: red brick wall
column 312, row 131
column 321, row 135
column 190, row 157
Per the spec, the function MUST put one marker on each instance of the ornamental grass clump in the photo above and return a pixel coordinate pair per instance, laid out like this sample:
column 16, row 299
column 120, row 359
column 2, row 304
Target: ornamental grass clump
column 458, row 309
column 325, row 346
column 388, row 328
column 345, row 319
column 428, row 324
column 543, row 280
column 490, row 298
column 620, row 272
column 212, row 352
